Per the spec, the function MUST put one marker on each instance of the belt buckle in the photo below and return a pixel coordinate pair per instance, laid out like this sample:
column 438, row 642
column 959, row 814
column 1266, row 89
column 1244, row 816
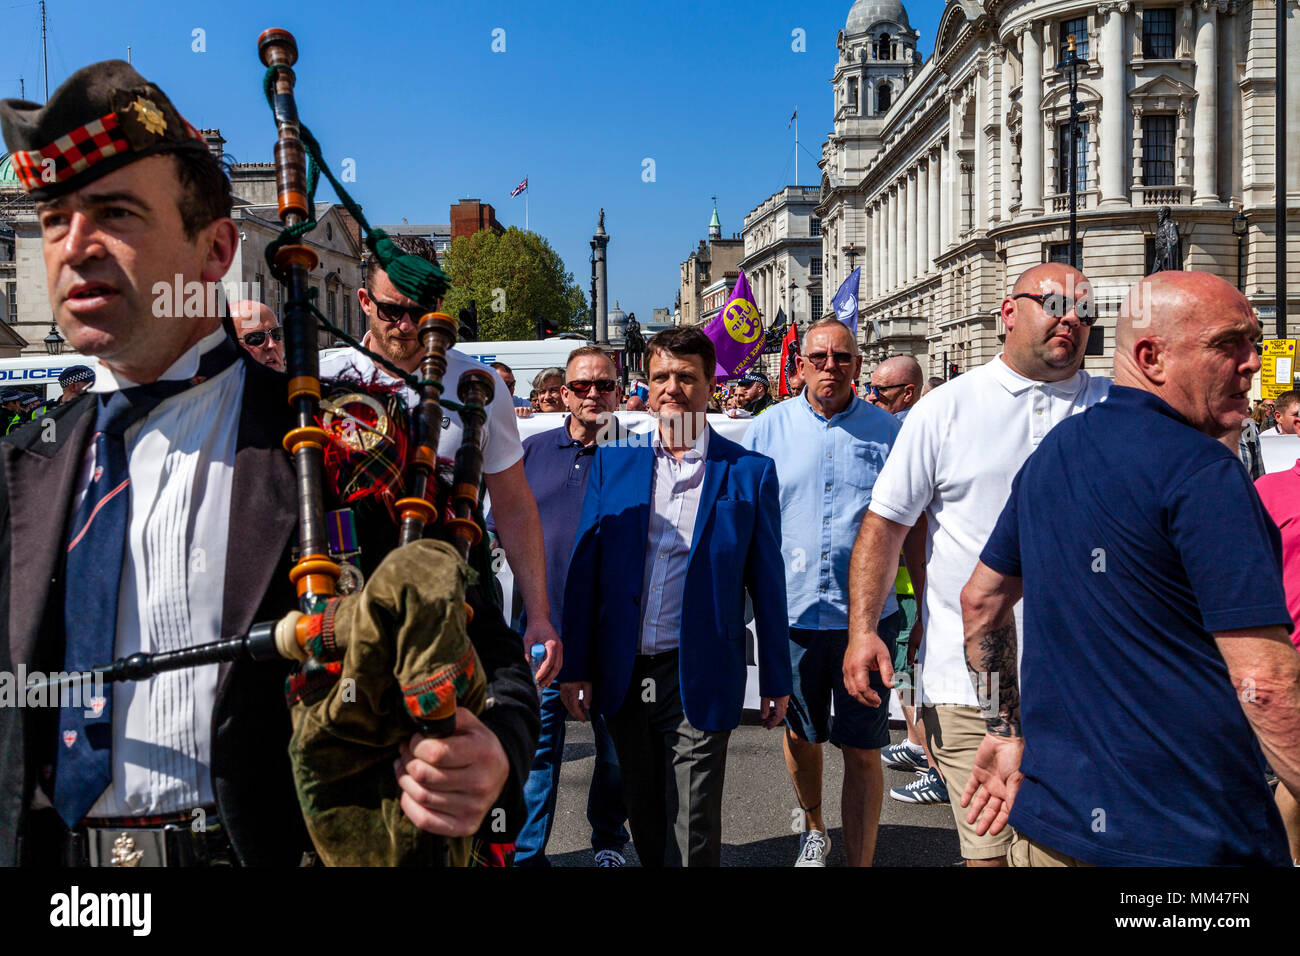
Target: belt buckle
column 125, row 847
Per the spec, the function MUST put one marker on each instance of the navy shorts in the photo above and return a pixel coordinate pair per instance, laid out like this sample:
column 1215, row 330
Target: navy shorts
column 817, row 659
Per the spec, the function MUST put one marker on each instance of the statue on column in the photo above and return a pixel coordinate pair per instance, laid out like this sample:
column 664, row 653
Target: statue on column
column 1169, row 248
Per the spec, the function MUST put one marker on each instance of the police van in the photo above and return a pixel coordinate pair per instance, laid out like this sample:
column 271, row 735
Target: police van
column 39, row 374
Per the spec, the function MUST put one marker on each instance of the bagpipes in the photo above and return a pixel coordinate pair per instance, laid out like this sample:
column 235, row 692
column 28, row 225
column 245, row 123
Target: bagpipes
column 395, row 657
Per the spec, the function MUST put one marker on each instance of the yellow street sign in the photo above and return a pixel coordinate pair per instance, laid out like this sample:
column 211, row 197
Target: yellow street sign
column 1278, row 367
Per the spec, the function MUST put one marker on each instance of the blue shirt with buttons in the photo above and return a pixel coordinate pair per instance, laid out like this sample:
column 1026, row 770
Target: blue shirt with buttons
column 826, row 469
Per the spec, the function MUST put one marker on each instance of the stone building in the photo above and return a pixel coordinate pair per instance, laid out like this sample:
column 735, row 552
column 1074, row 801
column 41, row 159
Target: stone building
column 783, row 256
column 963, row 181
column 714, row 260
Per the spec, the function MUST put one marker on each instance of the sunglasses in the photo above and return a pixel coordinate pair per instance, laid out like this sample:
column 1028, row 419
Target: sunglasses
column 818, row 359
column 1058, row 305
column 879, row 390
column 582, row 386
column 392, row 313
column 256, row 339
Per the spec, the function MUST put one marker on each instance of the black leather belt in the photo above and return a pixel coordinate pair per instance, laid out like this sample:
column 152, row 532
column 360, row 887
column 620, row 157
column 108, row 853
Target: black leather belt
column 102, row 843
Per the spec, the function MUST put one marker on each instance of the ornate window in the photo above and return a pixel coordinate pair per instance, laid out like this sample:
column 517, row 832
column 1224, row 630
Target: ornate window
column 853, row 94
column 1077, row 28
column 1158, row 33
column 814, row 226
column 882, row 45
column 1158, row 132
column 884, row 96
column 11, row 294
column 1063, row 157
column 815, row 266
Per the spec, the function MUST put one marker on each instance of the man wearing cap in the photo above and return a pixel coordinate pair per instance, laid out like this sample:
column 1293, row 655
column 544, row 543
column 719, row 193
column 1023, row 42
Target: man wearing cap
column 74, row 380
column 12, row 403
column 753, row 394
column 123, row 521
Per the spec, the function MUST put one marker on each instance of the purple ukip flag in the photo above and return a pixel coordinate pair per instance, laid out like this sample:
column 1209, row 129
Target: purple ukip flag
column 737, row 332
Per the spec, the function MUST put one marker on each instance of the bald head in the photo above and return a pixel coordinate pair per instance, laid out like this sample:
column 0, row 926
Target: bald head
column 896, row 384
column 1048, row 315
column 257, row 329
column 1189, row 338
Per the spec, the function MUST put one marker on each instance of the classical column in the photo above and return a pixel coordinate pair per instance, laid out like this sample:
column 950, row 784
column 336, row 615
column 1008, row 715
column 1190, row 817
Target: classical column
column 912, row 189
column 932, row 207
column 873, row 261
column 953, row 211
column 1111, row 159
column 893, row 240
column 1005, row 174
column 1206, row 120
column 945, row 195
column 980, row 185
column 1031, row 99
column 923, row 222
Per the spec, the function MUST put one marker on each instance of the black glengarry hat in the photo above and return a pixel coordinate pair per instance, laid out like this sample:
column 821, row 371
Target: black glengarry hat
column 103, row 117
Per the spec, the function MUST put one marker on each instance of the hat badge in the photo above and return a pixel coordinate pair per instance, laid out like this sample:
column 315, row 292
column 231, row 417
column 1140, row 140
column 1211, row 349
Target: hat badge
column 151, row 118
column 69, row 738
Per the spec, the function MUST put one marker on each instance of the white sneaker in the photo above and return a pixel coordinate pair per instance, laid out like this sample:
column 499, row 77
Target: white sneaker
column 815, row 848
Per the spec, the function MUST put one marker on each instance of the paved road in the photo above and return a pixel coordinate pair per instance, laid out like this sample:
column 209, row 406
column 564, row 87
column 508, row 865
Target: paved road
column 757, row 805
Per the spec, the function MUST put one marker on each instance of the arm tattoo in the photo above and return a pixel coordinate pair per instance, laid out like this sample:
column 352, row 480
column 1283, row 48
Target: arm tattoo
column 997, row 681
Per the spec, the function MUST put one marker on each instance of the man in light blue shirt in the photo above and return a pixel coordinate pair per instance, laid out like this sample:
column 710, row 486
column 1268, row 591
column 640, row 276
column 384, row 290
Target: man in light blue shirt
column 828, row 446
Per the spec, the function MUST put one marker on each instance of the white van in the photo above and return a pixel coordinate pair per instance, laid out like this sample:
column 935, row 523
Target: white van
column 525, row 358
column 40, row 373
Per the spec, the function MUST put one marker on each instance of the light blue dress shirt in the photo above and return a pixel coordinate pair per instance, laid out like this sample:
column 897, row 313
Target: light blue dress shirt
column 826, row 470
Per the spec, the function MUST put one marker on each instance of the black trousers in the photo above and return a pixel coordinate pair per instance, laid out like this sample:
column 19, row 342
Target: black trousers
column 672, row 772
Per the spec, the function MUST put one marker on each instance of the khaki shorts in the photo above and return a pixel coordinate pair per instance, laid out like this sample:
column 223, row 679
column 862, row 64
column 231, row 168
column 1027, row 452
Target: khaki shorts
column 1025, row 852
column 954, row 733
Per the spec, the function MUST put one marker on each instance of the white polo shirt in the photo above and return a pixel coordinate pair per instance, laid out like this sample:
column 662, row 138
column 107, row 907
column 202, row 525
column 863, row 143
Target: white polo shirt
column 954, row 462
column 501, row 444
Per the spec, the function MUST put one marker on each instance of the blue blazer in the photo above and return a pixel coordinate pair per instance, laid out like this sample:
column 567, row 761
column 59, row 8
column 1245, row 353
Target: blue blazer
column 736, row 547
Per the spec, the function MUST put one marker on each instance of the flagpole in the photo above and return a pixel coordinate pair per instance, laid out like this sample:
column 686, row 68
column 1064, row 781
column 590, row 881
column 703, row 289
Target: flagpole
column 796, row 146
column 525, row 210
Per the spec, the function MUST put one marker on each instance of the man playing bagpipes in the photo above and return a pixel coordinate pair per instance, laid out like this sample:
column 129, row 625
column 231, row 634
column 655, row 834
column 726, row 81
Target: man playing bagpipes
column 159, row 513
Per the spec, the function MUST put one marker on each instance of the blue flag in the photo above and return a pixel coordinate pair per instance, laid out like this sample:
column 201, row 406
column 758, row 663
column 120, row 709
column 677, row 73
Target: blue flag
column 845, row 302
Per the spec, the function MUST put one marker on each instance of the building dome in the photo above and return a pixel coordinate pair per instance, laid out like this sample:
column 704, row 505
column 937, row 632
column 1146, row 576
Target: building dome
column 617, row 318
column 867, row 13
column 8, row 178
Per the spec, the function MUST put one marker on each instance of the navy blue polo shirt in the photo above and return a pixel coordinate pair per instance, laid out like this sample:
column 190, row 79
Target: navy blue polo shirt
column 557, row 468
column 1138, row 537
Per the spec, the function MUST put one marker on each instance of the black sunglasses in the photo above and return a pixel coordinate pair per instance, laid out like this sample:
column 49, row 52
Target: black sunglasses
column 583, row 386
column 255, row 339
column 818, row 359
column 392, row 313
column 1058, row 305
column 878, row 390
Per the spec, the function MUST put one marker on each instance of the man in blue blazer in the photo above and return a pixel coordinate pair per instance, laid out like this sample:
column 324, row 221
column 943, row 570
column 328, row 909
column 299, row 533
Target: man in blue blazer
column 675, row 528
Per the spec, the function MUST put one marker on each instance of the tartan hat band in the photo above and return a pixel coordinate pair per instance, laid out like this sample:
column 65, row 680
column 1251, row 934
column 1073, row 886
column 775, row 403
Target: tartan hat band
column 70, row 154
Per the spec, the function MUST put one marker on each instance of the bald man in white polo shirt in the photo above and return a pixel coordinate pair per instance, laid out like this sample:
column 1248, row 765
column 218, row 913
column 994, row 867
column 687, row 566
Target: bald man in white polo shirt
column 954, row 463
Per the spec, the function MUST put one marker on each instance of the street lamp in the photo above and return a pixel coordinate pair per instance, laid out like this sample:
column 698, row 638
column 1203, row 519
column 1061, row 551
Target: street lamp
column 1239, row 227
column 53, row 341
column 850, row 252
column 1069, row 68
column 794, row 289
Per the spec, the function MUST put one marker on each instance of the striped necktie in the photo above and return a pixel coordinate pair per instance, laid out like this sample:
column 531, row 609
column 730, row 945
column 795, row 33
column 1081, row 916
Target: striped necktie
column 96, row 553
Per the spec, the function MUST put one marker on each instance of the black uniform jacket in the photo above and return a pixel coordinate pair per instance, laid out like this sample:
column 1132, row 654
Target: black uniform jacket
column 250, row 770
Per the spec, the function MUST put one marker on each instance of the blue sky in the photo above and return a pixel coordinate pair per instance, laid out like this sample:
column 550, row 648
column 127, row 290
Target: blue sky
column 583, row 94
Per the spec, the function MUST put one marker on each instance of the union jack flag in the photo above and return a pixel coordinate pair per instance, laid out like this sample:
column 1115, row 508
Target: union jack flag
column 520, row 188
